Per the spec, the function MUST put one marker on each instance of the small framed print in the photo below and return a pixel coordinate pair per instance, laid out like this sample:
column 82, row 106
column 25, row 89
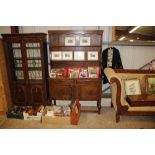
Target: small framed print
column 56, row 55
column 150, row 84
column 92, row 55
column 69, row 41
column 67, row 55
column 132, row 87
column 84, row 41
column 79, row 55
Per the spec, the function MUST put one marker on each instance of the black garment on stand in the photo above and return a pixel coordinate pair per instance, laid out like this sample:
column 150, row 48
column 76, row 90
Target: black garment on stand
column 116, row 61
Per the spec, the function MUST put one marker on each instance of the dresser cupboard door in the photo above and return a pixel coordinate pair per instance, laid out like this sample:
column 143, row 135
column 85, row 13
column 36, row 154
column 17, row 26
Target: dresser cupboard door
column 88, row 89
column 62, row 89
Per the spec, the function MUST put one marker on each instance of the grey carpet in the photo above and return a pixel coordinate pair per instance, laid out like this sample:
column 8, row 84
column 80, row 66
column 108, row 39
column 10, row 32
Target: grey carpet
column 106, row 120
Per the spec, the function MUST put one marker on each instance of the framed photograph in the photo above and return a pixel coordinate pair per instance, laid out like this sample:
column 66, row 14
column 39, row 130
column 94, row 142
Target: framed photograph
column 150, row 84
column 69, row 41
column 84, row 41
column 56, row 55
column 67, row 55
column 79, row 55
column 132, row 87
column 92, row 55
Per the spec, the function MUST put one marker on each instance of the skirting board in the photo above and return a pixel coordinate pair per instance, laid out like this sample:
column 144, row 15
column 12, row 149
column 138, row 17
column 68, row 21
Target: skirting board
column 105, row 102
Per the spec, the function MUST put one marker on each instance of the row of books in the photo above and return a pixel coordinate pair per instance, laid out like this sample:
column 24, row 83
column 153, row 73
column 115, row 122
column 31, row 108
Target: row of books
column 90, row 72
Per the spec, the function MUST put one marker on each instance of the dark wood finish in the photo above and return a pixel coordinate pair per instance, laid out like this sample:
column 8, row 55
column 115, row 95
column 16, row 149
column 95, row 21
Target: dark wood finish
column 134, row 71
column 83, row 89
column 31, row 88
column 141, row 100
column 62, row 89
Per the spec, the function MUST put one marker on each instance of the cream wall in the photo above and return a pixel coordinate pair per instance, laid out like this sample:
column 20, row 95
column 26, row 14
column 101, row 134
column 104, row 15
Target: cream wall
column 4, row 29
column 133, row 57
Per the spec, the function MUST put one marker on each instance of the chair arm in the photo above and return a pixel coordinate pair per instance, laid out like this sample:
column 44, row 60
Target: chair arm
column 120, row 107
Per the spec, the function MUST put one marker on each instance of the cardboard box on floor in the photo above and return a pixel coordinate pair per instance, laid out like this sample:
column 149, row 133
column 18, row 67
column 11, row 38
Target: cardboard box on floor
column 73, row 118
column 36, row 117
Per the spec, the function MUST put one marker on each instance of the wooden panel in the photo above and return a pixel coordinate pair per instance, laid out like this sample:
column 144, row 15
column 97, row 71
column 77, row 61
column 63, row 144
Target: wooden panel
column 36, row 94
column 62, row 89
column 5, row 99
column 88, row 89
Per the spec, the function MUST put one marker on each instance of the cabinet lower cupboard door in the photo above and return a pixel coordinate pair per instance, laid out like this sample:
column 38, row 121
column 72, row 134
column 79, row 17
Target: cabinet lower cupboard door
column 36, row 94
column 19, row 95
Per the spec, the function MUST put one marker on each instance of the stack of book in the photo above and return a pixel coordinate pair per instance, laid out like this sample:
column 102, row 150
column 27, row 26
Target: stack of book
column 90, row 72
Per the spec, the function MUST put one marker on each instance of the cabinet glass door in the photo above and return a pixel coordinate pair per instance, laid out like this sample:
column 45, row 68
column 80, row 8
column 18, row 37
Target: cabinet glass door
column 17, row 62
column 34, row 62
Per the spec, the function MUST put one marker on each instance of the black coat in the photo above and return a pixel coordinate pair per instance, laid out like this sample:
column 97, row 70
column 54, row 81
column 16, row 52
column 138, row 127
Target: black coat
column 116, row 62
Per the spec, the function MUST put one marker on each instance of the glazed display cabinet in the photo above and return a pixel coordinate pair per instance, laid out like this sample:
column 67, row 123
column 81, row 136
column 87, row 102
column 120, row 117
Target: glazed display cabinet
column 26, row 56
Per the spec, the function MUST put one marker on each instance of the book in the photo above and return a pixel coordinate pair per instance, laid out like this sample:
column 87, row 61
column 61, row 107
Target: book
column 59, row 73
column 73, row 72
column 83, row 73
column 94, row 72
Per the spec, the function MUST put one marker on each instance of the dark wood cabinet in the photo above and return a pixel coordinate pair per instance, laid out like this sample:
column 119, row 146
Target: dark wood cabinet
column 84, row 89
column 26, row 57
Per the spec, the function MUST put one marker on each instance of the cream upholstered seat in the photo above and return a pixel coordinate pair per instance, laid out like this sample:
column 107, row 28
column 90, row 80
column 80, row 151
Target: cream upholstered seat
column 116, row 78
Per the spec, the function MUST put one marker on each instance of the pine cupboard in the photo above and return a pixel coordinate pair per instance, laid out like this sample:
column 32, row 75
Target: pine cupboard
column 71, row 43
column 26, row 58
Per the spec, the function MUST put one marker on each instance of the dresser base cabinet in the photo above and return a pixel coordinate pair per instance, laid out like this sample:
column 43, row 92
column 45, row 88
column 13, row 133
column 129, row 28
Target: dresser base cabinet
column 81, row 89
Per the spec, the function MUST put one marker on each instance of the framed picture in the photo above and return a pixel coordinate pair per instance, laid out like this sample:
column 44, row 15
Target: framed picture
column 92, row 55
column 84, row 41
column 56, row 55
column 67, row 55
column 150, row 84
column 69, row 41
column 79, row 55
column 132, row 87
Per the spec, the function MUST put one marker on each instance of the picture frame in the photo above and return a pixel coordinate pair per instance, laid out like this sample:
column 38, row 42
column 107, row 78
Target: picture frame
column 79, row 55
column 69, row 41
column 150, row 84
column 84, row 41
column 67, row 55
column 56, row 55
column 132, row 87
column 92, row 56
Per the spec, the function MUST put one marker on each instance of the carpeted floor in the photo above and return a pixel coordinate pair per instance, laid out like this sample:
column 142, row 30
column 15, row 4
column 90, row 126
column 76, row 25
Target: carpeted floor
column 87, row 121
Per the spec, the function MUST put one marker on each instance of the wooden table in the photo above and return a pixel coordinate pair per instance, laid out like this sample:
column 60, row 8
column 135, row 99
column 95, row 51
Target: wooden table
column 141, row 100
